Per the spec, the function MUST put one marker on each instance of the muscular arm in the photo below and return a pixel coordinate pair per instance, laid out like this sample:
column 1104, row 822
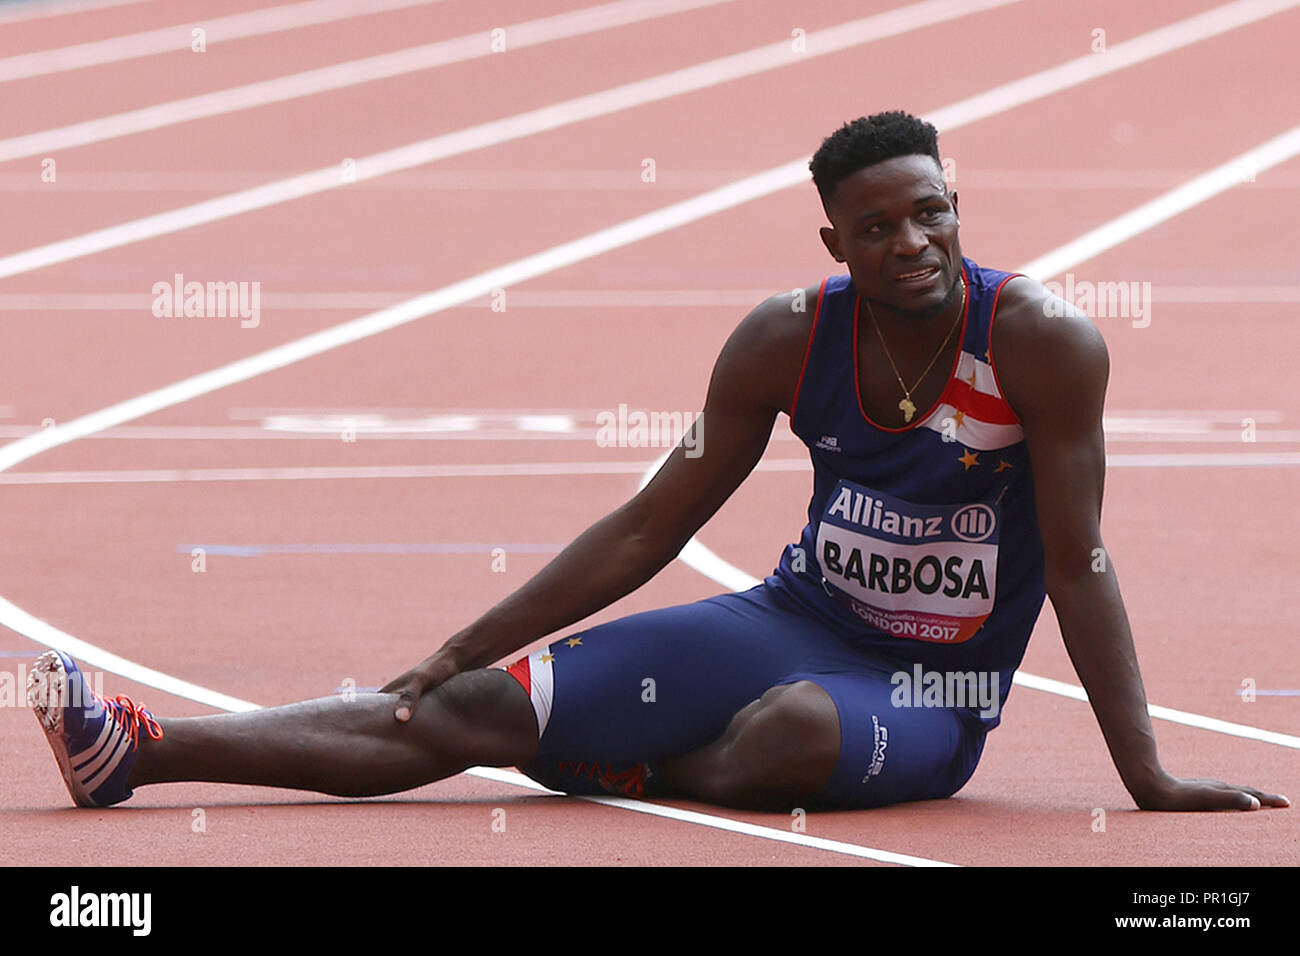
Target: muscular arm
column 1054, row 372
column 753, row 380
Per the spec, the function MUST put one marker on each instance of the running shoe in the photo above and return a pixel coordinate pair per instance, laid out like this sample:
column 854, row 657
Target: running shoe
column 94, row 739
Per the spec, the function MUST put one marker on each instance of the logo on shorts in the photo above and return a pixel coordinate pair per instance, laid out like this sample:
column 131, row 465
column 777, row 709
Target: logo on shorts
column 880, row 740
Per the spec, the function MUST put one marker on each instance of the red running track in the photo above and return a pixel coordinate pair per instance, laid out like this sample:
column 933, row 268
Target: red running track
column 101, row 552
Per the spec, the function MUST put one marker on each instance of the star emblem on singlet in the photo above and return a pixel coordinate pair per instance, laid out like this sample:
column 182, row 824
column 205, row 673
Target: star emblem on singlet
column 573, row 641
column 970, row 459
column 959, row 417
column 1003, row 465
column 547, row 658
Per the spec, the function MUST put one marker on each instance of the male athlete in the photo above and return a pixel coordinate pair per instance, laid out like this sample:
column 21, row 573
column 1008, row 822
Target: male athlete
column 958, row 469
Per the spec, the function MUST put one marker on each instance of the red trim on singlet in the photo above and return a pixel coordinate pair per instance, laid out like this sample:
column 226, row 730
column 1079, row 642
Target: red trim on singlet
column 988, row 349
column 952, row 372
column 521, row 672
column 821, row 299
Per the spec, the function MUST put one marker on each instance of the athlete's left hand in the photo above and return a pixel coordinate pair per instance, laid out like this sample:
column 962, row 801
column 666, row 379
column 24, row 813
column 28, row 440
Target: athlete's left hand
column 1175, row 793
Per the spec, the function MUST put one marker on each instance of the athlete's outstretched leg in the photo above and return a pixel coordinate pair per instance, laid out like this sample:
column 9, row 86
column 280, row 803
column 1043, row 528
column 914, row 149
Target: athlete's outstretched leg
column 336, row 745
column 350, row 747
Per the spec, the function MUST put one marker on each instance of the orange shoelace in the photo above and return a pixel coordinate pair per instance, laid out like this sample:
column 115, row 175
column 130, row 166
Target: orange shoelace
column 130, row 716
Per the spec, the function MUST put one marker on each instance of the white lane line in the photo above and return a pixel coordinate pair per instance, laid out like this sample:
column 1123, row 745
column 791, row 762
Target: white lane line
column 16, row 619
column 1245, row 459
column 990, row 103
column 629, row 231
column 536, row 470
column 24, row 10
column 443, row 425
column 1206, row 186
column 557, row 115
column 174, row 39
column 110, row 301
column 1061, row 688
column 92, row 658
column 342, row 75
column 724, row 823
column 324, row 473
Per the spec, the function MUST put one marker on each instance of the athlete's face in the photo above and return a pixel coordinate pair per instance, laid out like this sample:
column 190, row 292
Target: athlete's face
column 894, row 225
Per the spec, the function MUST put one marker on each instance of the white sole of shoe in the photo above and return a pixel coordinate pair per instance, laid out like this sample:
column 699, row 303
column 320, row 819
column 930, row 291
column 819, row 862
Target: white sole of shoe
column 47, row 687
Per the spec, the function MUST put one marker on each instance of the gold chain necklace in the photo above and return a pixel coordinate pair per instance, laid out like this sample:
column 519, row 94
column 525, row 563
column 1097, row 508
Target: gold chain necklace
column 905, row 406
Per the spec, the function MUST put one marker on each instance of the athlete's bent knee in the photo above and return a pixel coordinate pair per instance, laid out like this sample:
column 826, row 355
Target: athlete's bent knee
column 784, row 748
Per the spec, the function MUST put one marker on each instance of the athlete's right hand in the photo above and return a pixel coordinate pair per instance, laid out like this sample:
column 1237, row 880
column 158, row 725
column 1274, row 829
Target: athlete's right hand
column 413, row 685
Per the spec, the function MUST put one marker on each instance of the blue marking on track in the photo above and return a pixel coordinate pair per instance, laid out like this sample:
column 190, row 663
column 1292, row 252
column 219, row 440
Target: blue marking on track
column 435, row 547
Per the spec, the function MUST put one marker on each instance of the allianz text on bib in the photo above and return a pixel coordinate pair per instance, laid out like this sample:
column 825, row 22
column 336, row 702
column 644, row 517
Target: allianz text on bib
column 924, row 572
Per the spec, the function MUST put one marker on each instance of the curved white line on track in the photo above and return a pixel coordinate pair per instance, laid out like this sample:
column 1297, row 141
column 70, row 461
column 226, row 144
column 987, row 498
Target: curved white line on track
column 342, row 75
column 95, row 657
column 700, row 558
column 177, row 38
column 725, row 823
column 16, row 619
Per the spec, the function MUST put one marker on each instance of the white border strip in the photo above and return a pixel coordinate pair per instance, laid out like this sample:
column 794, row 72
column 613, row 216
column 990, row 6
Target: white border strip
column 342, row 75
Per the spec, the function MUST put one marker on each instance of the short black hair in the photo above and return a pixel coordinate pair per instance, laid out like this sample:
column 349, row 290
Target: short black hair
column 869, row 140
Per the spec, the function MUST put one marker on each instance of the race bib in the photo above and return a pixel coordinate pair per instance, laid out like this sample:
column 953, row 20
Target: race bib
column 924, row 572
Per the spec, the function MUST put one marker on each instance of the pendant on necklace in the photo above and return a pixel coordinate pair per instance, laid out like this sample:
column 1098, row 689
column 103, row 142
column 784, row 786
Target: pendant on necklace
column 907, row 408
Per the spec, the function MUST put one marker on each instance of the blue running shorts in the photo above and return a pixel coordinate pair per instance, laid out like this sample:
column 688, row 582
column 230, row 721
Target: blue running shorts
column 667, row 682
